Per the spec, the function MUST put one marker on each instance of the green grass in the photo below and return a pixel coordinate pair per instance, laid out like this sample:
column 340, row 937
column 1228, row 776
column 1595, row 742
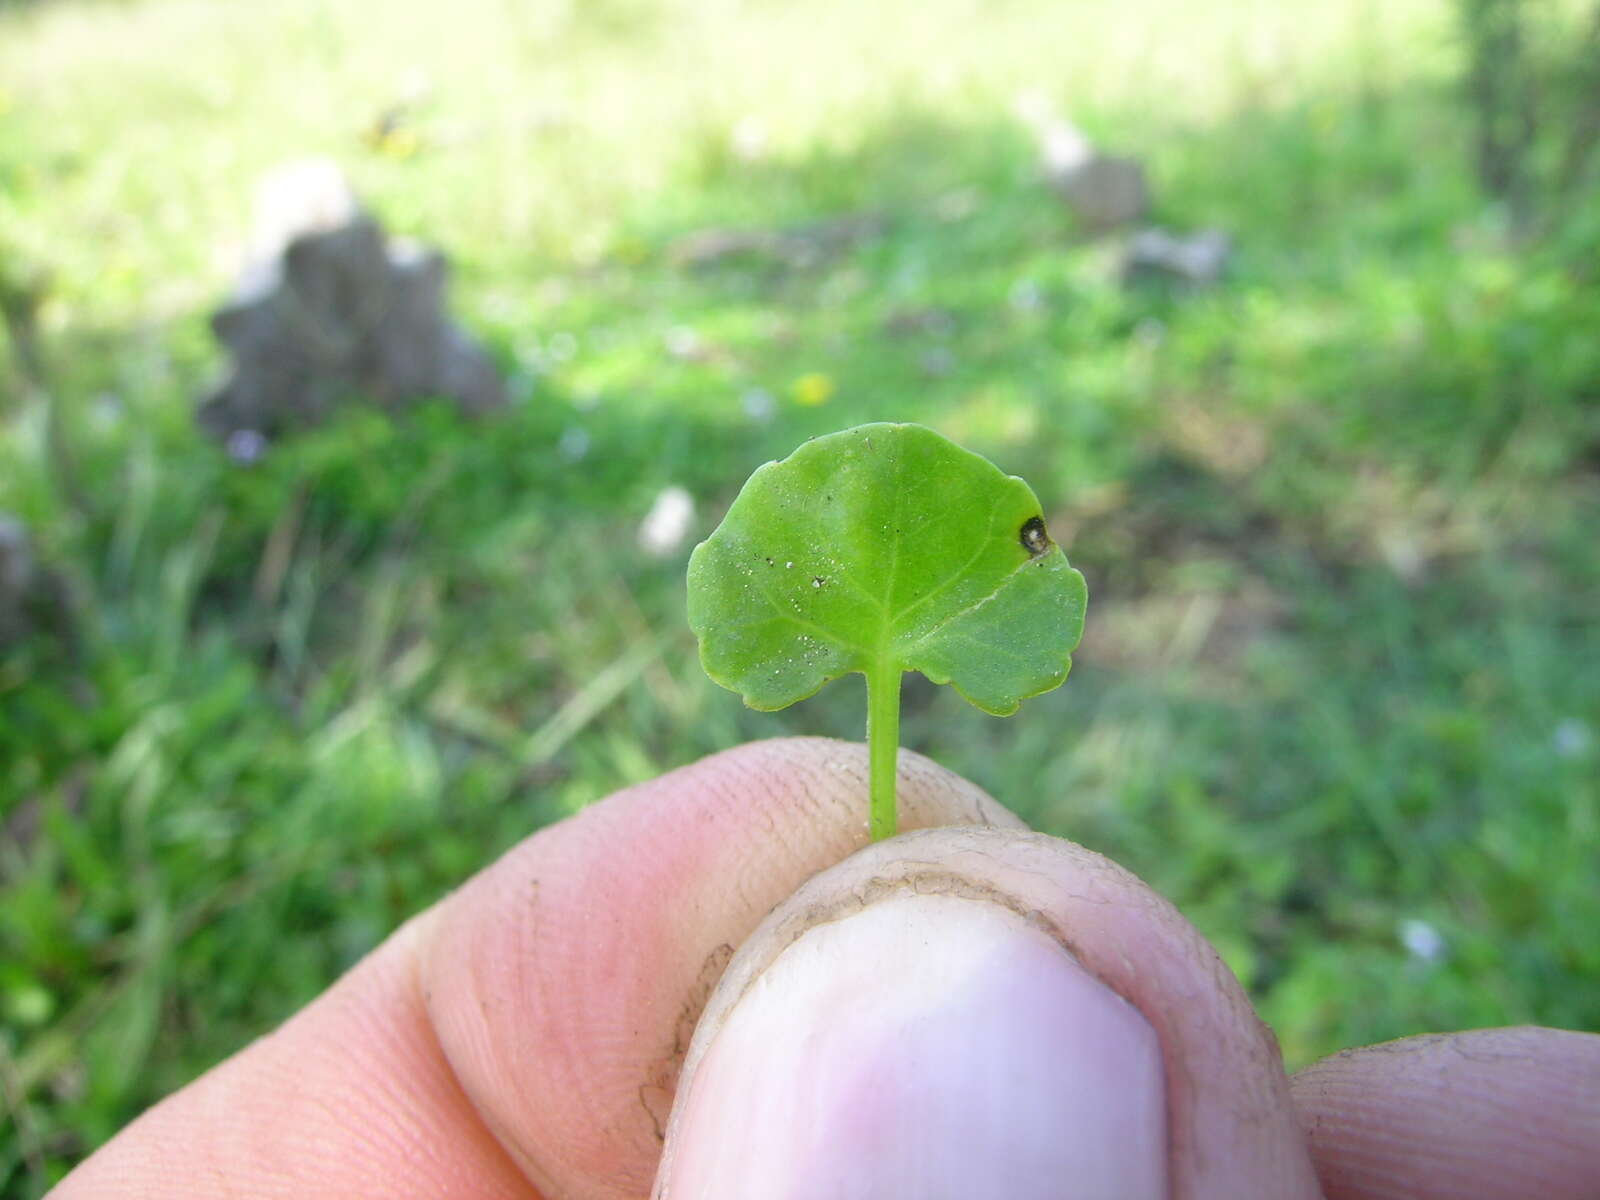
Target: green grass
column 1337, row 515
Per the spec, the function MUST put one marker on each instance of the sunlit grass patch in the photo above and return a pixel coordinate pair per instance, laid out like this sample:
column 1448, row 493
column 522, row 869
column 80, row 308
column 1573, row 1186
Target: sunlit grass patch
column 1336, row 512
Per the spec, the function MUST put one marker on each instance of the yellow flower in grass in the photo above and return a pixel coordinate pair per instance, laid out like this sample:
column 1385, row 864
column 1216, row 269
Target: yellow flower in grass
column 813, row 388
column 400, row 144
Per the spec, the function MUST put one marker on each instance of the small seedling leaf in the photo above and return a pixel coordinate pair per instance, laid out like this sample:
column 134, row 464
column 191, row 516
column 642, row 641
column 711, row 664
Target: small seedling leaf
column 885, row 548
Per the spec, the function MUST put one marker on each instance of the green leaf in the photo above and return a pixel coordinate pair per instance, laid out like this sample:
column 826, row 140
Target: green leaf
column 885, row 548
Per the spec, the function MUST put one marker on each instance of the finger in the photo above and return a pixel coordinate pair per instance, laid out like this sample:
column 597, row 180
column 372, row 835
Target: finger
column 548, row 999
column 351, row 1098
column 981, row 1012
column 1491, row 1114
column 565, row 982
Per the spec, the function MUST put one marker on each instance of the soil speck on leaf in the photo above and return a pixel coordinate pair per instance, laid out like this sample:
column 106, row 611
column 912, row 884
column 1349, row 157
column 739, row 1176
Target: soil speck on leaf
column 1034, row 539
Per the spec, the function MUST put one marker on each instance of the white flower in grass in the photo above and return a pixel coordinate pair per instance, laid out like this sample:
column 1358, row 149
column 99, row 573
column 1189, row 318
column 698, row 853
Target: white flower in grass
column 667, row 523
column 246, row 446
column 759, row 405
column 1422, row 941
column 1571, row 738
column 574, row 443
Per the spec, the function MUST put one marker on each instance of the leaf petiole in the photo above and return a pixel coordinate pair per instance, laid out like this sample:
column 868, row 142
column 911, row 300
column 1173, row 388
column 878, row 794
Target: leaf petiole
column 877, row 551
column 883, row 744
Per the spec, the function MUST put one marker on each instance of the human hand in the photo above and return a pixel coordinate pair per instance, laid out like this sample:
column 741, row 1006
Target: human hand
column 960, row 1011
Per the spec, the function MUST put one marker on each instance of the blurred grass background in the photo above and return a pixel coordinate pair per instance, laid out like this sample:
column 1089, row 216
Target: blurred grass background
column 1340, row 693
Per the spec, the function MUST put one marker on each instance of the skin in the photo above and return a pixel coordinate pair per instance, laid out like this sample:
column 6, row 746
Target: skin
column 523, row 1037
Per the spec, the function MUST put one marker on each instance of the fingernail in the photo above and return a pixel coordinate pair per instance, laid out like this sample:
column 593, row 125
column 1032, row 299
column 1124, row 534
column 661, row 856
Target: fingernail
column 925, row 1047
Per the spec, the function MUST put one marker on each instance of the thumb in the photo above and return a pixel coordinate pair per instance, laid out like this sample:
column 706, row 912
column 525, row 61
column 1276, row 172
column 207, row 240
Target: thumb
column 929, row 1046
column 980, row 1013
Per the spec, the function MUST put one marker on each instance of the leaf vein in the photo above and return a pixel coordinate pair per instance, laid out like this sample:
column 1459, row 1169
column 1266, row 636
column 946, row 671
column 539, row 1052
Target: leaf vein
column 778, row 613
column 971, row 608
column 959, row 573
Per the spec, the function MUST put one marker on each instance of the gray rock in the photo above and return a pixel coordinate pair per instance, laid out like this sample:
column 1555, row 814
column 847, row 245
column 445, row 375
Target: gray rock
column 331, row 310
column 36, row 600
column 1196, row 258
column 1104, row 191
column 19, row 575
